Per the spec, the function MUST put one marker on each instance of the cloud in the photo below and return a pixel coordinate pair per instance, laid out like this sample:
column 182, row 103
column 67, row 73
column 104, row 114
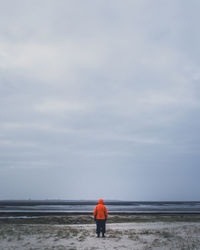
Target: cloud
column 98, row 85
column 59, row 106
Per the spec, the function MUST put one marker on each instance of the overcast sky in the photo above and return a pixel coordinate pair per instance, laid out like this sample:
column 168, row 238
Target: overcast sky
column 100, row 99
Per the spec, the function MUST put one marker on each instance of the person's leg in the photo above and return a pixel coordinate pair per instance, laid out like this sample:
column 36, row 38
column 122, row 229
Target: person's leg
column 98, row 223
column 103, row 226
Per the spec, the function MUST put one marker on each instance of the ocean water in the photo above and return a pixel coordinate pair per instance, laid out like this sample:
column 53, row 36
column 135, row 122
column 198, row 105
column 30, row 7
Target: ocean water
column 58, row 206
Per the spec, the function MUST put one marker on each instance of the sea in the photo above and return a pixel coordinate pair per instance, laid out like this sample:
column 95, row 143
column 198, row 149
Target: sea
column 30, row 207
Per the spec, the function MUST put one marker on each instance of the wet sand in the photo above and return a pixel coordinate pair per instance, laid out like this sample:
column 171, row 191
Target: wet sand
column 78, row 232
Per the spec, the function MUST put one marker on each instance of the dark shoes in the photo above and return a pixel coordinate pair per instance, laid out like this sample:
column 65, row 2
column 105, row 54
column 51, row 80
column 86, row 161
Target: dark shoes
column 98, row 235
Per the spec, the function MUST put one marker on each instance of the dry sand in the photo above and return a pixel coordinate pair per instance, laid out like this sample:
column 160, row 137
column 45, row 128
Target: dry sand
column 143, row 235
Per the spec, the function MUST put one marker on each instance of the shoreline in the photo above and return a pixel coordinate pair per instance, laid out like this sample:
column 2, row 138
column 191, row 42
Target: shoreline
column 78, row 231
column 82, row 218
column 125, row 235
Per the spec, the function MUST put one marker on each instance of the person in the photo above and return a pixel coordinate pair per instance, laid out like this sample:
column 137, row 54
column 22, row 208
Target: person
column 100, row 216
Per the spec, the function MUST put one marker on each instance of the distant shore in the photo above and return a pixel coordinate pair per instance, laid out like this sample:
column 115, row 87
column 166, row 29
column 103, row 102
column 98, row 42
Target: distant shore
column 86, row 202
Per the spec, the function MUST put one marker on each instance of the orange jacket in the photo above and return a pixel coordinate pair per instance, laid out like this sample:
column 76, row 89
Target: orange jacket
column 100, row 211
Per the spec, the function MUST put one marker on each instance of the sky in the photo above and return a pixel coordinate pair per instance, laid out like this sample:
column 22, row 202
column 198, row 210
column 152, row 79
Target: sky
column 100, row 99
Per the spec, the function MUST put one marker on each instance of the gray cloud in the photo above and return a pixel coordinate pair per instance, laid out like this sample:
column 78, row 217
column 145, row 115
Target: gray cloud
column 99, row 98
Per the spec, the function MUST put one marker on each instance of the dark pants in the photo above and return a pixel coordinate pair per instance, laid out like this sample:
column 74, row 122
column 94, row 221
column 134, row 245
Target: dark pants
column 101, row 226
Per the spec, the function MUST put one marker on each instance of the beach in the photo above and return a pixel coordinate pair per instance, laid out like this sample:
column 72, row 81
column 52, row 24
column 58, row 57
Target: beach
column 78, row 232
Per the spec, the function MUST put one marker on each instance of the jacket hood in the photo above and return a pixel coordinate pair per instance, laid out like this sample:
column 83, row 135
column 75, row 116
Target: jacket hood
column 101, row 201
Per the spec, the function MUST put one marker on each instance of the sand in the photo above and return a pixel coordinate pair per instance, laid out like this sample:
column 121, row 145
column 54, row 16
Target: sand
column 143, row 235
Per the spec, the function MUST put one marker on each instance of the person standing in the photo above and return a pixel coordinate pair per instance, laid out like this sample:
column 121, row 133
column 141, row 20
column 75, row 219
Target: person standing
column 100, row 216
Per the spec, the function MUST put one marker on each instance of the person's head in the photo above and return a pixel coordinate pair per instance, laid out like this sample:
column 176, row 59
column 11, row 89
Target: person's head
column 101, row 201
